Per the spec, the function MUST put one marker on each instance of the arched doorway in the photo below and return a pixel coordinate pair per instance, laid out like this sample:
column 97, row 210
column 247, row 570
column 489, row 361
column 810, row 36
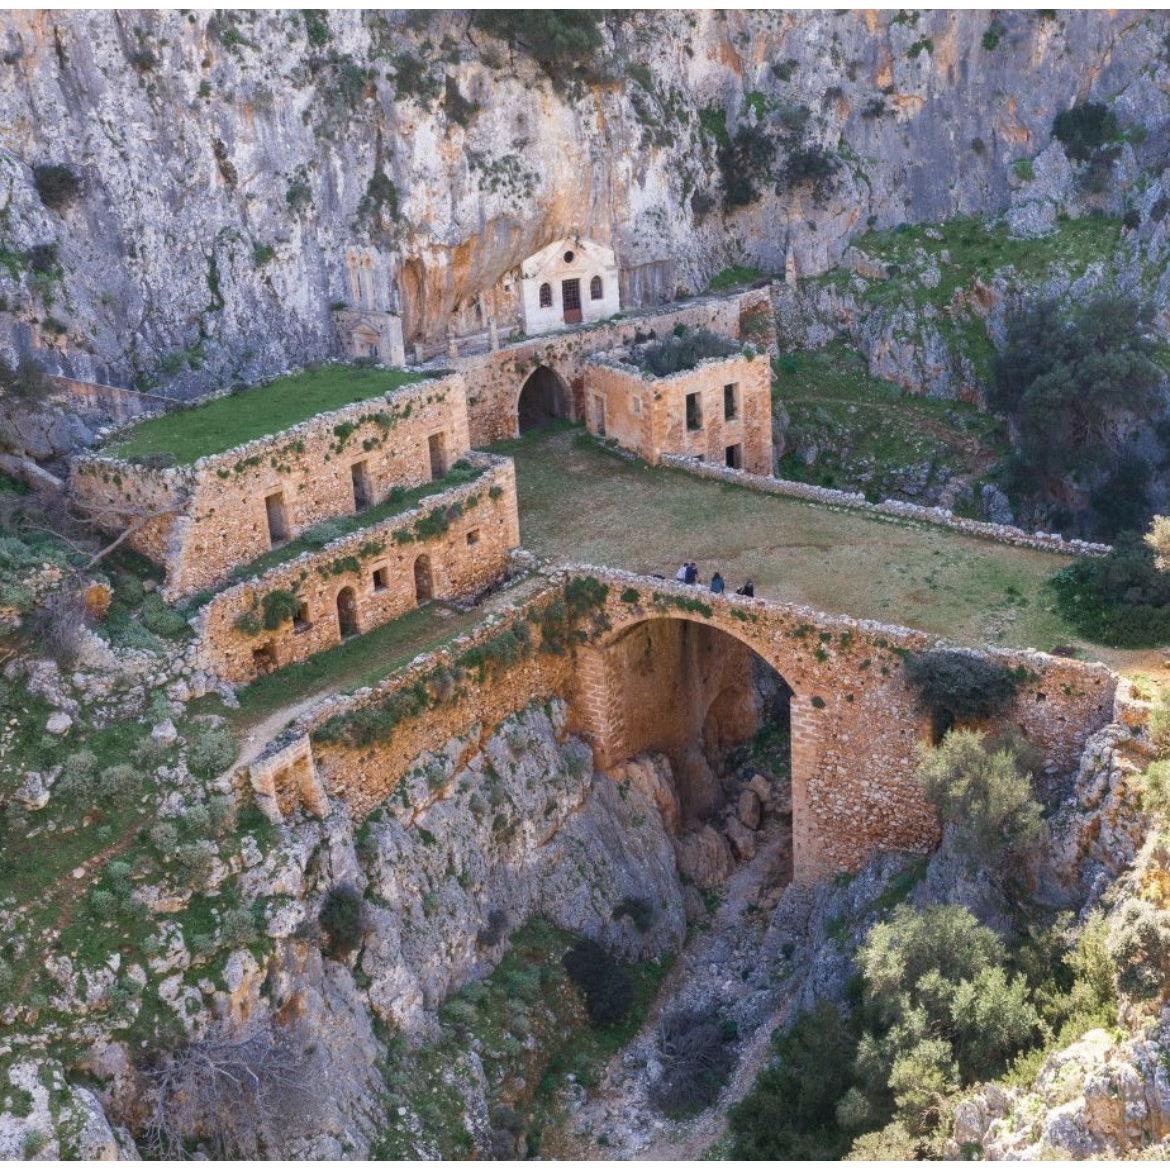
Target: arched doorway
column 543, row 398
column 347, row 618
column 424, row 586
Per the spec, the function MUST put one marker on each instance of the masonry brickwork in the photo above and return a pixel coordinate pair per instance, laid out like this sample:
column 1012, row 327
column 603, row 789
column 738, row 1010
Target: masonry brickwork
column 728, row 421
column 856, row 722
column 495, row 380
column 223, row 507
column 453, row 544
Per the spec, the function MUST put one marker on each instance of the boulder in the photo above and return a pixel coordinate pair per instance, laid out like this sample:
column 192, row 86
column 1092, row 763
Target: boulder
column 743, row 840
column 58, row 723
column 749, row 808
column 705, row 857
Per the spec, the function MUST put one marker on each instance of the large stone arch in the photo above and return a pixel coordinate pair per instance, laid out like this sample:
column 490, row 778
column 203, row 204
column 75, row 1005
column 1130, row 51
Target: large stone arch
column 854, row 724
column 544, row 397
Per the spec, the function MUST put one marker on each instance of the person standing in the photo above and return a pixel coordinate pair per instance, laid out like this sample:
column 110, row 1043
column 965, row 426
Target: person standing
column 717, row 585
column 692, row 573
column 683, row 570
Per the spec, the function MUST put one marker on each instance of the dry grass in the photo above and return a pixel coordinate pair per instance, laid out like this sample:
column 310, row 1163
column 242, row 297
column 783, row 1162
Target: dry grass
column 581, row 502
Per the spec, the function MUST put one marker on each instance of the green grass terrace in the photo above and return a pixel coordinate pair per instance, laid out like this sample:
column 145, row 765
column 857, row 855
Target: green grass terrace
column 581, row 502
column 211, row 427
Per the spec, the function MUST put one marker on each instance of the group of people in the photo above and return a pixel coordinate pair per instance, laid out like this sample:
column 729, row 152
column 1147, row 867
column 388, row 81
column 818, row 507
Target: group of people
column 688, row 574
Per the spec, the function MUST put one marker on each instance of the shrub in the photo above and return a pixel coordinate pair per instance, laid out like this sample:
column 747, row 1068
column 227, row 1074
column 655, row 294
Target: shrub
column 57, row 185
column 493, row 929
column 696, row 1048
column 562, row 41
column 160, row 619
column 197, row 861
column 681, row 351
column 637, row 910
column 812, row 165
column 279, row 606
column 744, row 161
column 790, row 1112
column 118, row 782
column 1122, row 599
column 1083, row 128
column 1139, row 945
column 608, row 991
column 956, row 684
column 983, row 793
column 211, row 752
column 343, row 919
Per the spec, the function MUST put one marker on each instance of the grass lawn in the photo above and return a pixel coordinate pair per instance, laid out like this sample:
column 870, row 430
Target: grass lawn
column 191, row 433
column 866, row 432
column 580, row 502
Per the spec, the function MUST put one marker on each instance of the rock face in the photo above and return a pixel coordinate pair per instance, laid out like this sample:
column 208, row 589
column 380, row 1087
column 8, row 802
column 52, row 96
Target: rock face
column 227, row 160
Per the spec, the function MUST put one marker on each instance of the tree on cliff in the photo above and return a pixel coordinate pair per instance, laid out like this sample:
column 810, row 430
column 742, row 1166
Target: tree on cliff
column 1074, row 386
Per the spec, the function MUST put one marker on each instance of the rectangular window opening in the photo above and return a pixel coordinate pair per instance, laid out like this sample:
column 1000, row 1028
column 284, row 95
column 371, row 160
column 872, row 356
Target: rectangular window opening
column 437, row 447
column 734, row 455
column 381, row 579
column 277, row 518
column 694, row 412
column 731, row 401
column 360, row 475
column 301, row 621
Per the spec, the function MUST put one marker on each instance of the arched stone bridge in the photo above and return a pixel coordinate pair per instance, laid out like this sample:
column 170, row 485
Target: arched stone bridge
column 668, row 661
column 663, row 666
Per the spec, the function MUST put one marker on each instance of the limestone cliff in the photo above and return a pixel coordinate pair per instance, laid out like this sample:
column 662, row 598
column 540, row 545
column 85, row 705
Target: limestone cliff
column 227, row 160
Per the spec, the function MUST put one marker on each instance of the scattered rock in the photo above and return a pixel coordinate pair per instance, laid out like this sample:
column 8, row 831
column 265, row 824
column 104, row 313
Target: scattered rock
column 750, row 808
column 59, row 723
column 743, row 840
column 164, row 732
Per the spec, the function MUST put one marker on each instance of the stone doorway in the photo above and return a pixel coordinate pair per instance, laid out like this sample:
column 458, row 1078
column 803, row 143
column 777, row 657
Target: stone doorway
column 437, row 449
column 544, row 398
column 424, row 586
column 347, row 617
column 571, row 300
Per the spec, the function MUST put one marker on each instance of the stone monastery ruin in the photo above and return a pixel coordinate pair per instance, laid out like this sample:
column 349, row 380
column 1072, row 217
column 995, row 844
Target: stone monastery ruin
column 336, row 523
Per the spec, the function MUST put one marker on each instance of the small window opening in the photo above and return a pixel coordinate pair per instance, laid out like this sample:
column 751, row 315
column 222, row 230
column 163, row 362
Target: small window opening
column 734, row 455
column 473, row 536
column 277, row 518
column 595, row 291
column 301, row 621
column 437, row 446
column 264, row 658
column 359, row 474
column 694, row 412
column 381, row 579
column 546, row 296
column 731, row 401
column 570, row 257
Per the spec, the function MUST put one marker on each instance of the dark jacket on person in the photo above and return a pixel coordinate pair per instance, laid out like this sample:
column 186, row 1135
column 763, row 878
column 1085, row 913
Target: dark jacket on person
column 717, row 585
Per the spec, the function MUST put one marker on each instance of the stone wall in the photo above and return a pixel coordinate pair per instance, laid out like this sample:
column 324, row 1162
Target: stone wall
column 649, row 415
column 856, row 723
column 388, row 568
column 943, row 517
column 107, row 403
column 494, row 380
column 224, row 519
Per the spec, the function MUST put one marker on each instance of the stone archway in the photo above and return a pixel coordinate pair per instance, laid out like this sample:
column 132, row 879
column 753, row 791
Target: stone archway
column 544, row 397
column 347, row 616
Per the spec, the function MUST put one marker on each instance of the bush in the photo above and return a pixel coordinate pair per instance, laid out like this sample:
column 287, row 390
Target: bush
column 982, row 792
column 118, row 783
column 279, row 606
column 562, row 41
column 956, row 684
column 57, row 185
column 211, row 752
column 25, row 381
column 697, row 1055
column 160, row 619
column 608, row 991
column 1122, row 599
column 343, row 919
column 1139, row 945
column 637, row 910
column 790, row 1112
column 1083, row 128
column 744, row 162
column 682, row 351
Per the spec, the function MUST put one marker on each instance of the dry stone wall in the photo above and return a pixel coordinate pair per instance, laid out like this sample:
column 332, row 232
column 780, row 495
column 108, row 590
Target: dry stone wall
column 452, row 544
column 409, row 437
column 649, row 415
column 943, row 517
